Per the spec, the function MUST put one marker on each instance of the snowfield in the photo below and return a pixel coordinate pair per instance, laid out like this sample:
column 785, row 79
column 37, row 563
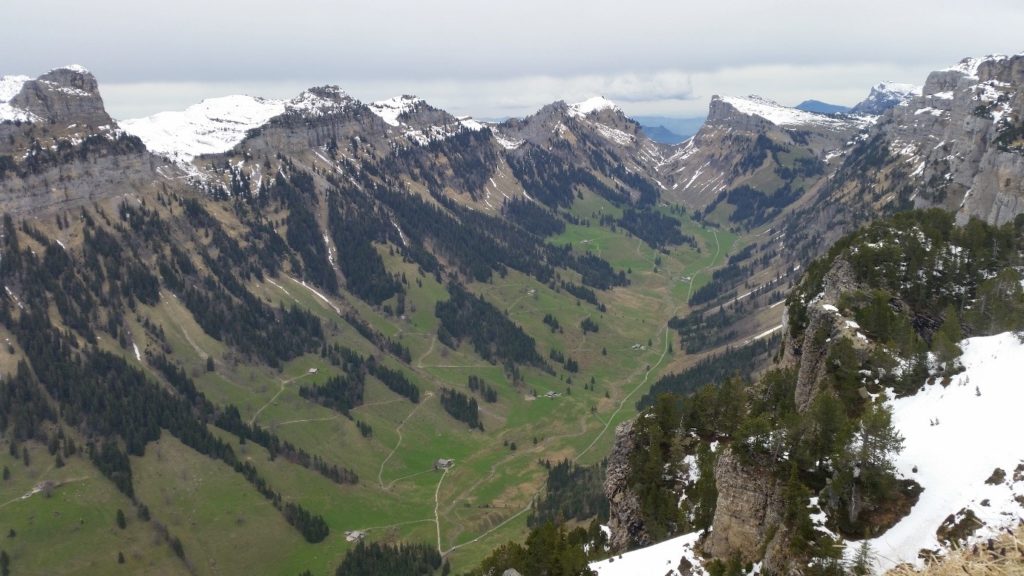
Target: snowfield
column 214, row 125
column 956, row 436
column 661, row 559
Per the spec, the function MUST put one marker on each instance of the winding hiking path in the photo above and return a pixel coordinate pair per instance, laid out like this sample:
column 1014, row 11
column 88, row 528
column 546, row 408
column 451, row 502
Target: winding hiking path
column 274, row 399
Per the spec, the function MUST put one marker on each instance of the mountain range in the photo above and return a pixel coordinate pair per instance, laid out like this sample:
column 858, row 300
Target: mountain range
column 288, row 320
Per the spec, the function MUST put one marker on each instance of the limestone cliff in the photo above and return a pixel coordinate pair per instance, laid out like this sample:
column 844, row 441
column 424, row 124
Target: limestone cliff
column 624, row 515
column 748, row 518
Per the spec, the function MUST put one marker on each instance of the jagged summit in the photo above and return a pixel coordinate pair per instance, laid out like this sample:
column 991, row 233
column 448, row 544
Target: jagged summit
column 886, row 95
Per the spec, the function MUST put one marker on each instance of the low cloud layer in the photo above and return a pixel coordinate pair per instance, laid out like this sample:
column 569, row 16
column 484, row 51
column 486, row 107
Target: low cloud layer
column 499, row 59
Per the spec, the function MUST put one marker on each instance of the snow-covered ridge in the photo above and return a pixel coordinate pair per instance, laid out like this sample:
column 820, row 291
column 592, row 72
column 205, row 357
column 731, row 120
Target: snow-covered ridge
column 389, row 110
column 214, row 125
column 590, row 105
column 954, row 438
column 784, row 116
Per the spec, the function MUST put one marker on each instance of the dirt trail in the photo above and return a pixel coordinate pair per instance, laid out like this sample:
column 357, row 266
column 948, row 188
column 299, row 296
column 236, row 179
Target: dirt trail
column 42, row 487
column 274, row 399
column 398, row 430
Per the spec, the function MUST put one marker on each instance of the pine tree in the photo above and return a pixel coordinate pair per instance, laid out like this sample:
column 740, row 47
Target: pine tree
column 863, row 561
column 122, row 523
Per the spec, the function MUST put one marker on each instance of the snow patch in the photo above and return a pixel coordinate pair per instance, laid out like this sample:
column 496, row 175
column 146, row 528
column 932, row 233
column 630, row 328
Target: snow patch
column 389, row 110
column 660, row 559
column 977, row 417
column 471, row 123
column 10, row 86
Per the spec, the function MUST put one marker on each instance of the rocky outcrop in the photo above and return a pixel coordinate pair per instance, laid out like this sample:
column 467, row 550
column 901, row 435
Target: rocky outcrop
column 748, row 518
column 64, row 96
column 624, row 518
column 809, row 349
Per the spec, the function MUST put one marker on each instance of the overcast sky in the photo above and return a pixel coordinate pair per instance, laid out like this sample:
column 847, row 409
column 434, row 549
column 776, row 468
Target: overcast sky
column 502, row 58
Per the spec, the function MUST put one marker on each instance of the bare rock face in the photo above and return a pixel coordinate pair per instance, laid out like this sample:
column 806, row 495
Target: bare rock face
column 64, row 96
column 749, row 512
column 624, row 518
column 811, row 348
column 957, row 146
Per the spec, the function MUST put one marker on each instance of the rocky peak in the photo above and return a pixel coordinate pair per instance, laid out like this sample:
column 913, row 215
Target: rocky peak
column 320, row 101
column 62, row 96
column 886, row 95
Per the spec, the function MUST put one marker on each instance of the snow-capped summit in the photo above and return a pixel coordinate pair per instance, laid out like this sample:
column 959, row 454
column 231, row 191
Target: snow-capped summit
column 886, row 95
column 319, row 101
column 389, row 110
column 590, row 105
column 214, row 125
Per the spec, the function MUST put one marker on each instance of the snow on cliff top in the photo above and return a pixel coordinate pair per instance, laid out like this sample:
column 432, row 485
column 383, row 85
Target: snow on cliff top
column 595, row 104
column 970, row 65
column 784, row 116
column 74, row 68
column 974, row 435
column 389, row 110
column 212, row 126
column 900, row 88
column 661, row 559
